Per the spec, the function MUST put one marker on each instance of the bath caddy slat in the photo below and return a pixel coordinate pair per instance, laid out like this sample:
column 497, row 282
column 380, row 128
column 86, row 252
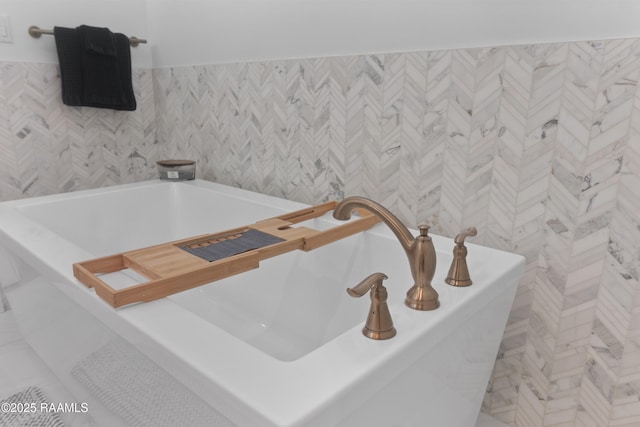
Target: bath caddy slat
column 170, row 269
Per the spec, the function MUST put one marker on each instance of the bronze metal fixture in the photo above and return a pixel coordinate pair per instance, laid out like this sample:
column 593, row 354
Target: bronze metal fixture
column 379, row 324
column 458, row 272
column 419, row 250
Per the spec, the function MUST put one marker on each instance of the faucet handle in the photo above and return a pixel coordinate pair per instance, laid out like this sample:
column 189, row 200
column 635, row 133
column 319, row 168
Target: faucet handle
column 369, row 282
column 424, row 229
column 459, row 272
column 469, row 232
column 379, row 325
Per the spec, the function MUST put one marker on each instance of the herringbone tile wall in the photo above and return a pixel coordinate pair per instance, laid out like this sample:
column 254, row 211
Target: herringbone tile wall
column 47, row 147
column 538, row 146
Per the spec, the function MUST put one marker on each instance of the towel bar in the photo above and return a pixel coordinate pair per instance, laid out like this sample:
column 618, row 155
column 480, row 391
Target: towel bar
column 36, row 32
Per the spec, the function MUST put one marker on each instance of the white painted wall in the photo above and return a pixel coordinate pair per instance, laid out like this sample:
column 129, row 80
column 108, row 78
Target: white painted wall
column 124, row 16
column 186, row 32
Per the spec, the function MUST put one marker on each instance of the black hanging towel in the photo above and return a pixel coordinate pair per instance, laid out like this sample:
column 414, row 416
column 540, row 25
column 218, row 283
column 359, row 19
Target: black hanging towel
column 95, row 68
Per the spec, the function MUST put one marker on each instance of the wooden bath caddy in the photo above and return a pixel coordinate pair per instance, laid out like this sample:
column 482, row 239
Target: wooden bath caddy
column 170, row 268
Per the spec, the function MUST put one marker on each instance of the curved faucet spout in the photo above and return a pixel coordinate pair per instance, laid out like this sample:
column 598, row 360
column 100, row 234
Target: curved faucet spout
column 419, row 250
column 344, row 209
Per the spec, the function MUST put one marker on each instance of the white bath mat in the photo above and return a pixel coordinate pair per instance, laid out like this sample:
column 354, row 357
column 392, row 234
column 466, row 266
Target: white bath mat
column 14, row 413
column 140, row 392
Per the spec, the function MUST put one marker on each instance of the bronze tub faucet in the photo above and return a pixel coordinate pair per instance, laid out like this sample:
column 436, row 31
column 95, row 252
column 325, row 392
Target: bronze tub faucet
column 419, row 250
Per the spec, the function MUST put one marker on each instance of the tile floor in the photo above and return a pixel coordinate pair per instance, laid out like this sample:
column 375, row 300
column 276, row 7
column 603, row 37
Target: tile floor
column 20, row 367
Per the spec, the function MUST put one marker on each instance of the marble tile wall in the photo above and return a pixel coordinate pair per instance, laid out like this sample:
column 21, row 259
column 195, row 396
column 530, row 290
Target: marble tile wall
column 538, row 146
column 47, row 147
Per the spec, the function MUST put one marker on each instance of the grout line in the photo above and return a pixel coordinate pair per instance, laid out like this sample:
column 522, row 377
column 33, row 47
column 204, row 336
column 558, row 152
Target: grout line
column 4, row 302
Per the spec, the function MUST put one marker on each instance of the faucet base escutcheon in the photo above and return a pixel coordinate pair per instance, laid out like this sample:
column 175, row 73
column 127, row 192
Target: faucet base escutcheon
column 422, row 298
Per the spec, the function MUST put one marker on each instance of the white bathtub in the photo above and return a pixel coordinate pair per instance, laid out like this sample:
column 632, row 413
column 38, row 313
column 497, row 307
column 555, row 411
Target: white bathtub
column 277, row 346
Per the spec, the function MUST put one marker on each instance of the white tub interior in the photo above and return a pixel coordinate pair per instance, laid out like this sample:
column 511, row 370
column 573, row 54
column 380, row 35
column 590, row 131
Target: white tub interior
column 293, row 303
column 102, row 224
column 288, row 307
